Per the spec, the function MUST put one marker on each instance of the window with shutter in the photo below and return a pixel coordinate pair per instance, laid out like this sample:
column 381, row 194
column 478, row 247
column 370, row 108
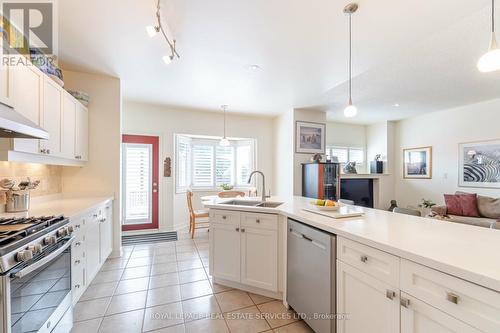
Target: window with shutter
column 137, row 173
column 342, row 154
column 203, row 164
column 356, row 155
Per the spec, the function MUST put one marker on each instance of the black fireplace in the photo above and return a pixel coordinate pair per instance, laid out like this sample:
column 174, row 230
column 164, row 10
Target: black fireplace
column 358, row 190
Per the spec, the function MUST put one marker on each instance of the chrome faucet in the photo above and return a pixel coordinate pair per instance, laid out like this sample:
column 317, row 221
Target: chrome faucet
column 263, row 183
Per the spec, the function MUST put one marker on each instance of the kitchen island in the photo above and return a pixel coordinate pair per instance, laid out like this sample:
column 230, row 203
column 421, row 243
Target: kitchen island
column 421, row 268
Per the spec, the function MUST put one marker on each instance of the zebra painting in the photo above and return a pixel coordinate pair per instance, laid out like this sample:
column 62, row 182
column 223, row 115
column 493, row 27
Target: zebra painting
column 480, row 164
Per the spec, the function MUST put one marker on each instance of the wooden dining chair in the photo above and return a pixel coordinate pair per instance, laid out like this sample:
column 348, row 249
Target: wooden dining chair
column 230, row 194
column 195, row 215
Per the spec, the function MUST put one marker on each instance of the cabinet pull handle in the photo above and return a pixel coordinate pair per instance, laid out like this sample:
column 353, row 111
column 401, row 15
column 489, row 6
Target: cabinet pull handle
column 390, row 294
column 77, row 226
column 243, row 230
column 77, row 262
column 364, row 259
column 78, row 244
column 306, row 238
column 77, row 286
column 237, row 229
column 405, row 302
column 453, row 298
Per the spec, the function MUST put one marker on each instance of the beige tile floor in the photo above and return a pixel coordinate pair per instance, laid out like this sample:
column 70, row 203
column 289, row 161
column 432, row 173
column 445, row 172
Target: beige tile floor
column 165, row 287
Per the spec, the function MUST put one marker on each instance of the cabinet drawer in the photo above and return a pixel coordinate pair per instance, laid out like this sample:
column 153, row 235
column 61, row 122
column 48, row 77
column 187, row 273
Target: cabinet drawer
column 224, row 217
column 472, row 304
column 78, row 225
column 78, row 248
column 264, row 221
column 77, row 281
column 376, row 263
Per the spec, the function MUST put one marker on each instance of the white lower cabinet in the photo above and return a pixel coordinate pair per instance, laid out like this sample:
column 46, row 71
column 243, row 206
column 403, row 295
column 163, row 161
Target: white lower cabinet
column 369, row 304
column 402, row 296
column 259, row 258
column 91, row 247
column 419, row 317
column 244, row 248
column 225, row 251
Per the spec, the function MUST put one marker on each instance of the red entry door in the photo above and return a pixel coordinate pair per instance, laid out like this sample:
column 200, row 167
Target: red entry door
column 140, row 163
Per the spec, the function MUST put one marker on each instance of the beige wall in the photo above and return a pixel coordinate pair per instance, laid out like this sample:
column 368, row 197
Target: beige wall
column 50, row 176
column 102, row 174
column 165, row 122
column 283, row 128
column 443, row 131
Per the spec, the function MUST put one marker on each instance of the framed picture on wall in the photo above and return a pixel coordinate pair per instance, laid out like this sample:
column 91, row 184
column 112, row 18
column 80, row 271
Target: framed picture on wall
column 479, row 164
column 309, row 137
column 417, row 163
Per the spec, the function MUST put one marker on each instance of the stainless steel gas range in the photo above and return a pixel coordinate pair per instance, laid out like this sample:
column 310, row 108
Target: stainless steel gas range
column 35, row 271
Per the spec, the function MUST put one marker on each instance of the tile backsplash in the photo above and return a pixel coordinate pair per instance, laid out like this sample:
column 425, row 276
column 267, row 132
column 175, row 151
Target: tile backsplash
column 50, row 176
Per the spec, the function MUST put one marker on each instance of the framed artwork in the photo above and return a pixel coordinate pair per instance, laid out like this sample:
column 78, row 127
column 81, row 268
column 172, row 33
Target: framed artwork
column 417, row 163
column 479, row 164
column 310, row 137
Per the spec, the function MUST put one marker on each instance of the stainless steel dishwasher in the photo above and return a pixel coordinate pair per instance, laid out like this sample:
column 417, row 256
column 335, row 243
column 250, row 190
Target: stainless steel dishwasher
column 311, row 275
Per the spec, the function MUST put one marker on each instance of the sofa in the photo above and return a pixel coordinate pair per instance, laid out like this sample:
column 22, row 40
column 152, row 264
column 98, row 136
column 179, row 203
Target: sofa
column 487, row 214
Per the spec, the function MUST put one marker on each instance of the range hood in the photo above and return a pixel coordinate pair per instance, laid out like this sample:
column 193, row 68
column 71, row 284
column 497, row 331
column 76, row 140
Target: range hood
column 14, row 125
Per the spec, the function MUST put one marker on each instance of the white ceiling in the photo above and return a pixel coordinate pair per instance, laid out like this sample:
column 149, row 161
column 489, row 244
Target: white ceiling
column 408, row 52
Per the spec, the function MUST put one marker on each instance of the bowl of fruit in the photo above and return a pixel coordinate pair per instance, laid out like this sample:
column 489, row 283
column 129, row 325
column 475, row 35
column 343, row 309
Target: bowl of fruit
column 328, row 205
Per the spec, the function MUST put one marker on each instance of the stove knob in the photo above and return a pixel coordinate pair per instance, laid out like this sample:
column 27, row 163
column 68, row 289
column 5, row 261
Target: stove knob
column 24, row 255
column 62, row 232
column 49, row 240
column 36, row 248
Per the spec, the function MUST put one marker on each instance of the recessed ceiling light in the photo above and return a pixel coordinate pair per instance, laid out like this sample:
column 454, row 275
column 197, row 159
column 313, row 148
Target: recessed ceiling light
column 396, row 105
column 254, row 67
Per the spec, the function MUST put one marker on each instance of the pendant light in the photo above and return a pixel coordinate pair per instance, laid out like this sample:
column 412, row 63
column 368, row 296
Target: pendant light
column 350, row 110
column 224, row 142
column 490, row 61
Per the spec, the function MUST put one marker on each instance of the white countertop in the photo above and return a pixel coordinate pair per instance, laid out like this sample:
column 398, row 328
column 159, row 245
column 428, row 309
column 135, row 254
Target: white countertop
column 469, row 252
column 60, row 205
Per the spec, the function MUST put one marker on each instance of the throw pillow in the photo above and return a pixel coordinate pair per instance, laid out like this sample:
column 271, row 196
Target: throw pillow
column 453, row 206
column 462, row 204
column 488, row 207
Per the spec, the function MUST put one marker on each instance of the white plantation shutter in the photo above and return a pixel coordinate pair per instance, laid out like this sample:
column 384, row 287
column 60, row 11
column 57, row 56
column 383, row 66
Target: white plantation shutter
column 224, row 165
column 138, row 173
column 356, row 155
column 341, row 153
column 183, row 163
column 244, row 165
column 203, row 165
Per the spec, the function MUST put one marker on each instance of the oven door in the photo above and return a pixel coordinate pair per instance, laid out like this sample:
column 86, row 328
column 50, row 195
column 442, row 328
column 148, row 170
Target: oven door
column 40, row 290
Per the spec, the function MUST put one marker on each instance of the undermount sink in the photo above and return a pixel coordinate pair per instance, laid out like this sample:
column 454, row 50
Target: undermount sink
column 265, row 204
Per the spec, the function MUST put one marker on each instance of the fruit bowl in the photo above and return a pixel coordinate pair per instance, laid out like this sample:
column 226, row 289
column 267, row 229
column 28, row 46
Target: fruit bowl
column 317, row 206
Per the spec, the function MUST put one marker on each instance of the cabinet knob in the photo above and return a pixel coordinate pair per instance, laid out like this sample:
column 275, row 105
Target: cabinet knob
column 258, row 221
column 453, row 298
column 364, row 259
column 77, row 226
column 404, row 302
column 237, row 229
column 224, row 217
column 390, row 294
column 48, row 151
column 43, row 151
column 78, row 244
column 243, row 230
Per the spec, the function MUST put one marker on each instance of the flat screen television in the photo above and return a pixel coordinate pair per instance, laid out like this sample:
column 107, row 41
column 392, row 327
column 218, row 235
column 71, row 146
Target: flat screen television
column 358, row 190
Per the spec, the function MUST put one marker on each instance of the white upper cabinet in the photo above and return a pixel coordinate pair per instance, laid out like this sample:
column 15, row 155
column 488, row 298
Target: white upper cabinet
column 6, row 84
column 82, row 133
column 68, row 130
column 51, row 117
column 28, row 97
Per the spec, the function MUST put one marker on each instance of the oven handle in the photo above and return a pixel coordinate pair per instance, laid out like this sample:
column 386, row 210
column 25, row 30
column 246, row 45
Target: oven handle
column 45, row 260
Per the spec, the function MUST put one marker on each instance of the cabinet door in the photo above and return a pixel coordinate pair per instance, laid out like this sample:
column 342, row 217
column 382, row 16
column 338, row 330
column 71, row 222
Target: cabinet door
column 68, row 130
column 106, row 233
column 371, row 305
column 225, row 252
column 92, row 241
column 78, row 263
column 82, row 132
column 259, row 258
column 27, row 93
column 419, row 317
column 51, row 117
column 6, row 85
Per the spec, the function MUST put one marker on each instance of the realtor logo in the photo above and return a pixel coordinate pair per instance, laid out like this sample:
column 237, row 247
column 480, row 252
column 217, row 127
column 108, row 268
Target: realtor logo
column 29, row 25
